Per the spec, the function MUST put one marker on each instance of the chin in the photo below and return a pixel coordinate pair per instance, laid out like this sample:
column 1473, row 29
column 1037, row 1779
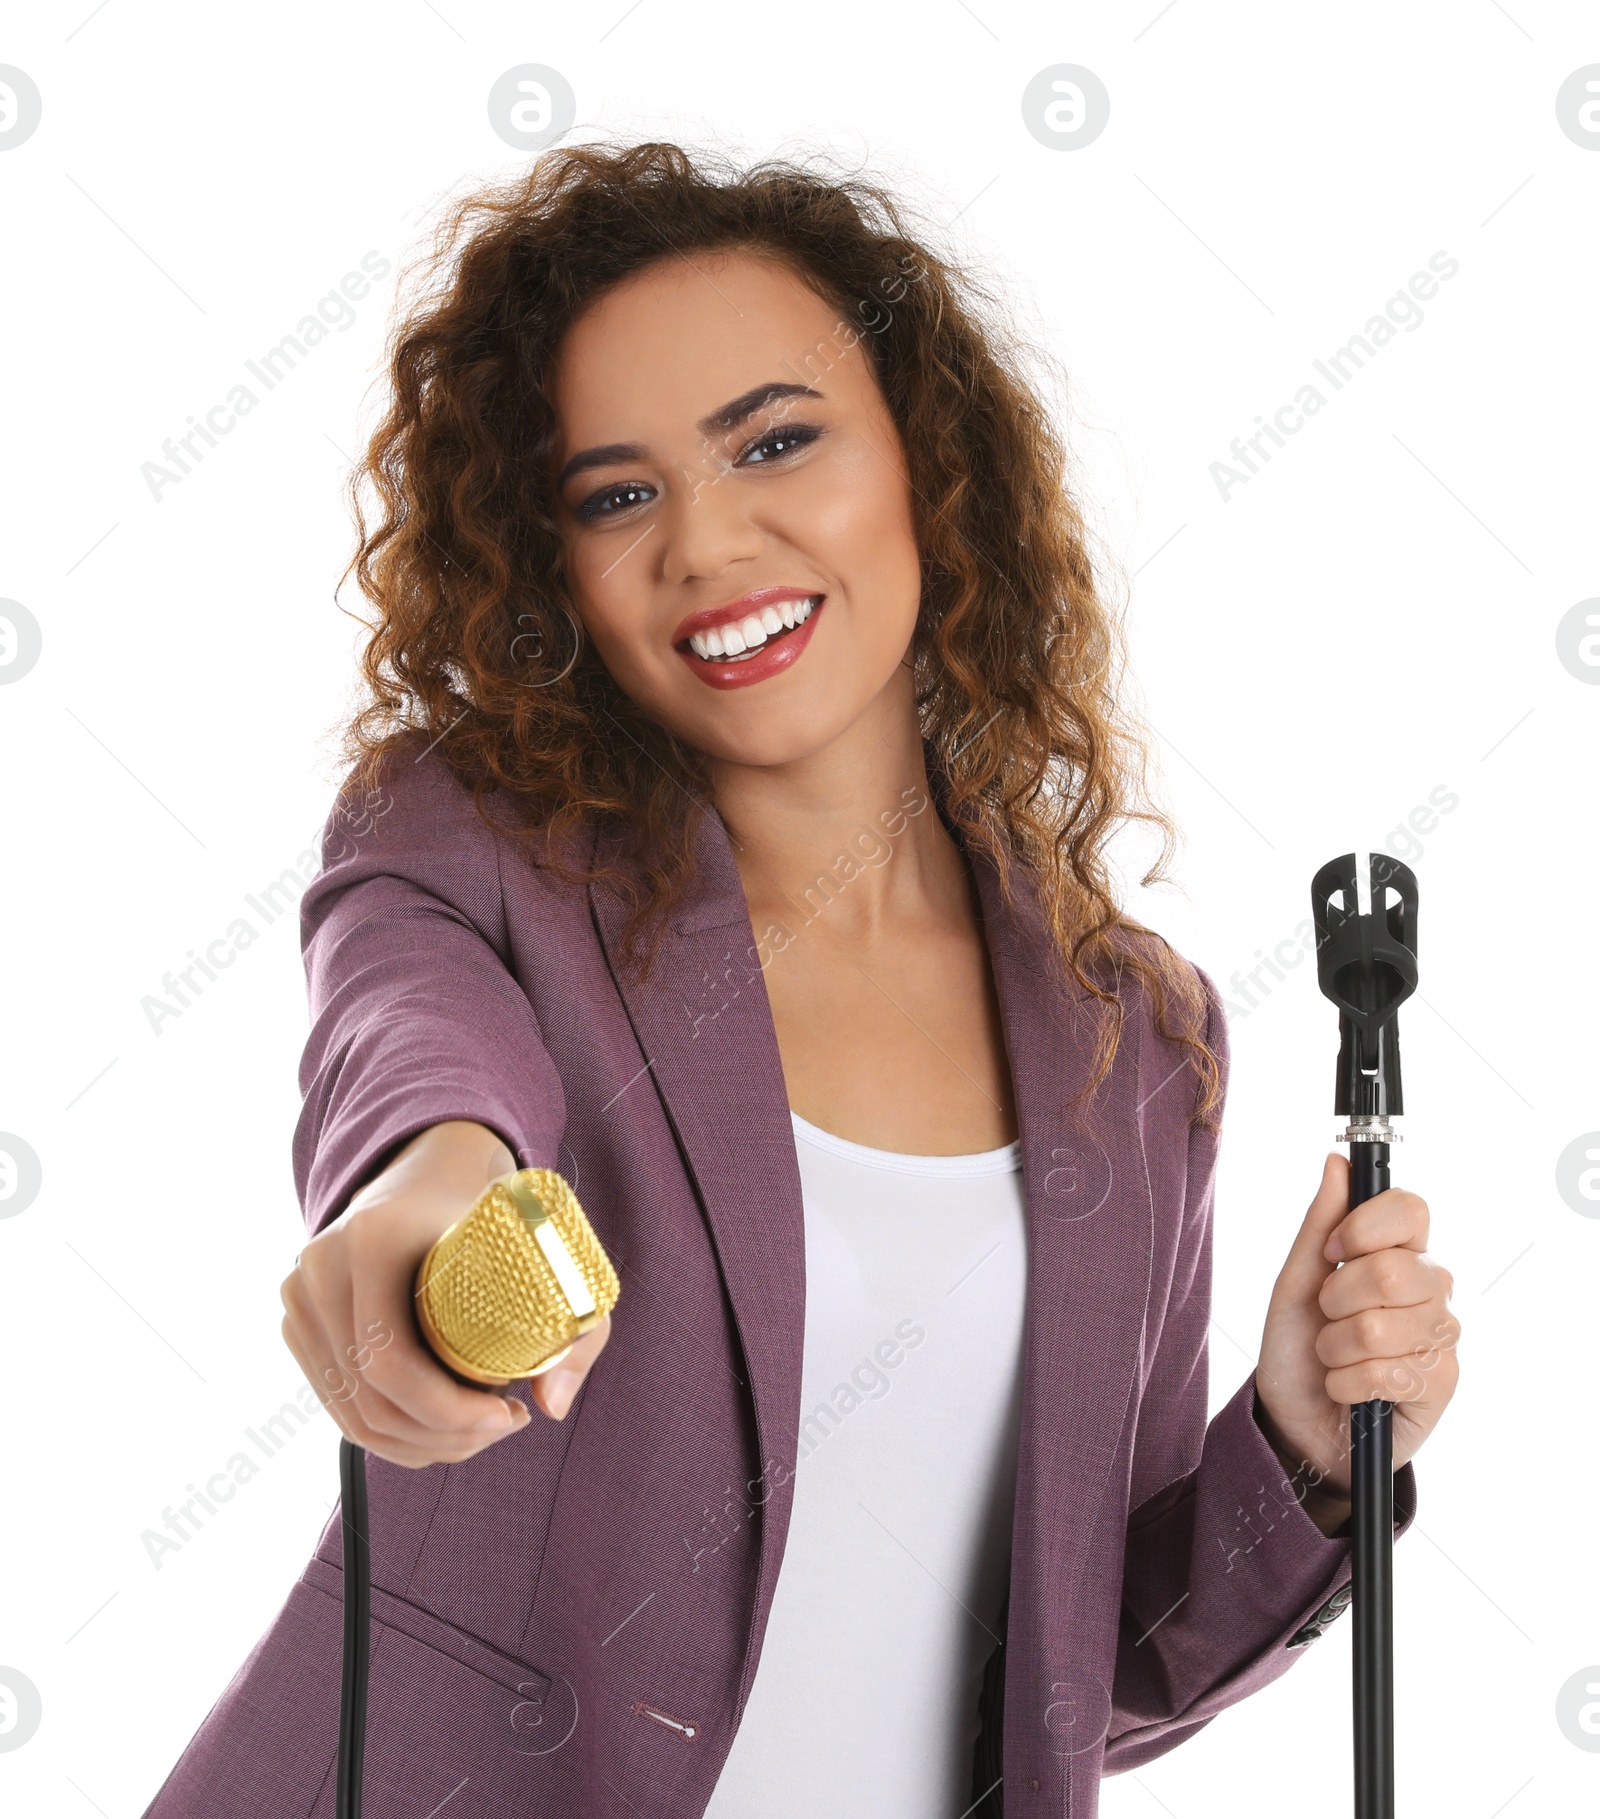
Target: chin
column 784, row 720
column 776, row 739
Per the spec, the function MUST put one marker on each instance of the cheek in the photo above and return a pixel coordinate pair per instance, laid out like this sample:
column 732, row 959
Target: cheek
column 860, row 528
column 610, row 597
column 587, row 581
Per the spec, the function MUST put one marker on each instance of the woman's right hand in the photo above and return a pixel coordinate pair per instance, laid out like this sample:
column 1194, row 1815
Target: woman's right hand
column 349, row 1319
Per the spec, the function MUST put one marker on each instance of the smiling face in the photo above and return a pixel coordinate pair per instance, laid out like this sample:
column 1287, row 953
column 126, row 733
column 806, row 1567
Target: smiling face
column 734, row 506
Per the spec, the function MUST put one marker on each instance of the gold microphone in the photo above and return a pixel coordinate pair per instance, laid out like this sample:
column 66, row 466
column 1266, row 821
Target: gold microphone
column 504, row 1293
column 509, row 1287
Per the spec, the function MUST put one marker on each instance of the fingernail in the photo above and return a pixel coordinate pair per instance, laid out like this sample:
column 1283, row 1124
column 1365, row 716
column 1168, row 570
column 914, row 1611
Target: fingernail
column 563, row 1386
column 1334, row 1250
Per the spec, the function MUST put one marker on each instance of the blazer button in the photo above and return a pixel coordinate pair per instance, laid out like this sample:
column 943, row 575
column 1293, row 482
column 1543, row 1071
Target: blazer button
column 1336, row 1605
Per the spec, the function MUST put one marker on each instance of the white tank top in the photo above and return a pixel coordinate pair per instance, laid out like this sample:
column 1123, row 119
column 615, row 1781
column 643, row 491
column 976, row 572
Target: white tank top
column 865, row 1701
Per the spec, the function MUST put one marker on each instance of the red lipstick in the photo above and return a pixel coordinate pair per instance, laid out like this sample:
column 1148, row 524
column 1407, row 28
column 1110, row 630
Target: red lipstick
column 779, row 650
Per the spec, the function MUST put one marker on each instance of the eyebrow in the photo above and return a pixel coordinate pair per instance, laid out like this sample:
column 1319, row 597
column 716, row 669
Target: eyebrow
column 725, row 417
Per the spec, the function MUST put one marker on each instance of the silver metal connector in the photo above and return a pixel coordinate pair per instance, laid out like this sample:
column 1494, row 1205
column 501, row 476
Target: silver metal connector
column 1369, row 1128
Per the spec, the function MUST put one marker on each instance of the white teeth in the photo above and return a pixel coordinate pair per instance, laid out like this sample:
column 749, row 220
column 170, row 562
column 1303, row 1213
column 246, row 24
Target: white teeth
column 750, row 633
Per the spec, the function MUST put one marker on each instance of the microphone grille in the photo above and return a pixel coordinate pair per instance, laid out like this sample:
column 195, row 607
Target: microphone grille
column 516, row 1280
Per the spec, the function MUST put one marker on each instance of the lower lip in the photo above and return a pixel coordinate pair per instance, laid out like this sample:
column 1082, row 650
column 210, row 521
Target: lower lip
column 775, row 655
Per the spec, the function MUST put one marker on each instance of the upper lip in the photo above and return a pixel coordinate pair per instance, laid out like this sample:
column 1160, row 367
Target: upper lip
column 741, row 608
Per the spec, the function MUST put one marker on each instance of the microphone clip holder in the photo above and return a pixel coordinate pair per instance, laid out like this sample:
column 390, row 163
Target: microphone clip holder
column 1367, row 966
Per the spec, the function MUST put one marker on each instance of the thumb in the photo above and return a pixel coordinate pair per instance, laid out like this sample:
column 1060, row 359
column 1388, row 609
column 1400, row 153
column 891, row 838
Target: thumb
column 1306, row 1268
column 556, row 1384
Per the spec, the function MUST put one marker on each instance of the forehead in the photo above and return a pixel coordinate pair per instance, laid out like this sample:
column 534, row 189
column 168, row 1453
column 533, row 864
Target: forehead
column 672, row 342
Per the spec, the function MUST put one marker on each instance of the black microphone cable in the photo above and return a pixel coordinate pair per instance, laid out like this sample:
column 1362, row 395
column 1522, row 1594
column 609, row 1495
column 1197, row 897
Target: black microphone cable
column 357, row 1627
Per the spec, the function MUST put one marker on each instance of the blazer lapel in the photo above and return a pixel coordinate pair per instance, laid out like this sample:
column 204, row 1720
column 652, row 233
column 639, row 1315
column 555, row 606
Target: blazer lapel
column 1090, row 1232
column 705, row 1026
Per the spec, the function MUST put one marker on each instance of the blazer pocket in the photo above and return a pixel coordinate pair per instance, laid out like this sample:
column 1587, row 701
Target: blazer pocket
column 447, row 1712
column 392, row 1613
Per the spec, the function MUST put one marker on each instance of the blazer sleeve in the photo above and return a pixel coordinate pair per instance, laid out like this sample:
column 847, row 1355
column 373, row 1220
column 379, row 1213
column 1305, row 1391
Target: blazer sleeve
column 1225, row 1576
column 416, row 1016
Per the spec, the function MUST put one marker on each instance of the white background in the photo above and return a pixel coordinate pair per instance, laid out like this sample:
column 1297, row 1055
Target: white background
column 1371, row 617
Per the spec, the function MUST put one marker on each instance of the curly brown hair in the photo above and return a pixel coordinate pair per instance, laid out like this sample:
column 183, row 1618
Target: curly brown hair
column 477, row 650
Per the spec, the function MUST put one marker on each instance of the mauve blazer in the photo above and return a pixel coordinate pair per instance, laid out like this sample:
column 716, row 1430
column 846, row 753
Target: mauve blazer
column 567, row 1626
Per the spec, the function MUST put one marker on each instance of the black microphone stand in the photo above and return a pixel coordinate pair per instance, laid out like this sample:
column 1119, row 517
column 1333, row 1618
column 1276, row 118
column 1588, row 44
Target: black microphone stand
column 1367, row 965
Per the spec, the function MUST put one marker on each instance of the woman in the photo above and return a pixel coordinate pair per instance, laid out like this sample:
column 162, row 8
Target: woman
column 728, row 832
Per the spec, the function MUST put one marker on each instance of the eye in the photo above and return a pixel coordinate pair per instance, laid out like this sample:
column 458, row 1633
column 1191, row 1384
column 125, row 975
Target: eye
column 783, row 441
column 627, row 492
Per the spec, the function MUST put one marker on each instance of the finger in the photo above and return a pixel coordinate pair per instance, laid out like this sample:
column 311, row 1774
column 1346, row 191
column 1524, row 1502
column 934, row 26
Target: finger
column 362, row 1414
column 308, row 1343
column 351, row 1405
column 555, row 1389
column 319, row 1288
column 1388, row 1332
column 404, row 1443
column 1395, row 1278
column 306, row 1334
column 1392, row 1219
column 307, row 1355
column 1418, row 1383
column 389, row 1351
column 407, row 1395
column 1306, row 1267
column 406, row 1392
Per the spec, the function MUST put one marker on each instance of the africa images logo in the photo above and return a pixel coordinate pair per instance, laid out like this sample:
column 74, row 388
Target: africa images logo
column 1401, row 311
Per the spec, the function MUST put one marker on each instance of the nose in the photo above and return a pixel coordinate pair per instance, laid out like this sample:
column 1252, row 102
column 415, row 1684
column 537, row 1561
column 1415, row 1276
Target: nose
column 707, row 525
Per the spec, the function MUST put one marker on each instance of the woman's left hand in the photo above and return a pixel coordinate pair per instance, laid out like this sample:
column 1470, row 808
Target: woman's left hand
column 1359, row 1311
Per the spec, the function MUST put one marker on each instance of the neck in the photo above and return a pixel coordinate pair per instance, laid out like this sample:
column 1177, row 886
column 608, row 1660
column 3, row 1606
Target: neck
column 852, row 824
